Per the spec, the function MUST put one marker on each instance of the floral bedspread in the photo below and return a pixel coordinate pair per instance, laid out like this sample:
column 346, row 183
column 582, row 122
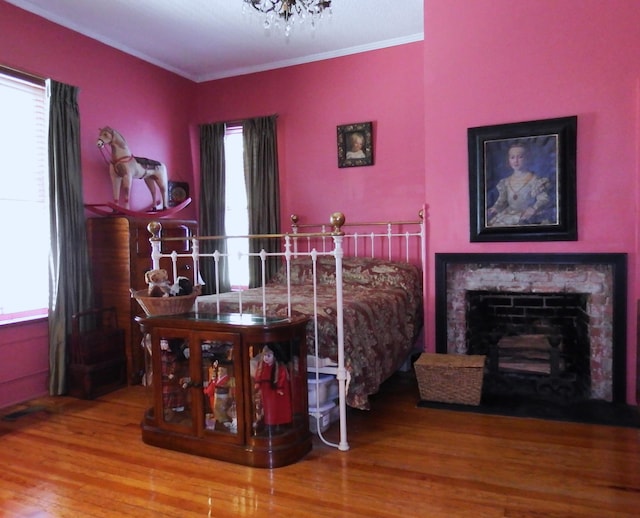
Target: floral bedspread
column 382, row 306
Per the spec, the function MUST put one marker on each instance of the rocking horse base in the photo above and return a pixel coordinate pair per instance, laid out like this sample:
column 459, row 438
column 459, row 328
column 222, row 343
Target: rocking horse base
column 112, row 209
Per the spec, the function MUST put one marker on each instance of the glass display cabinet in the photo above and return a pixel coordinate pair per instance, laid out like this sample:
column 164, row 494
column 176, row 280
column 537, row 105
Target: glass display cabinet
column 228, row 386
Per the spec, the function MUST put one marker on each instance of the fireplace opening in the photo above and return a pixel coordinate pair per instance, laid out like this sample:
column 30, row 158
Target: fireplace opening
column 536, row 344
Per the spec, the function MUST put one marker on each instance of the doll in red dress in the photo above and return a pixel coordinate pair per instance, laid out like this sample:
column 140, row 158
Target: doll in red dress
column 273, row 384
column 218, row 391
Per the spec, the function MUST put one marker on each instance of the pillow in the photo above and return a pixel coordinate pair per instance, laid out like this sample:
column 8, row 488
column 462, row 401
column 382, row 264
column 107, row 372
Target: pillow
column 302, row 271
column 363, row 271
column 380, row 273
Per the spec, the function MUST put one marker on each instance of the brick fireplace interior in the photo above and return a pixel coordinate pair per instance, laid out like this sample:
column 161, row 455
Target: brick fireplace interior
column 537, row 344
column 551, row 325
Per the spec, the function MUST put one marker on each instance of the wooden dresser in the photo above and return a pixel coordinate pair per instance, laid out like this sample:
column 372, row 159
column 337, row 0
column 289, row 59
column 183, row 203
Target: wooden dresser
column 120, row 255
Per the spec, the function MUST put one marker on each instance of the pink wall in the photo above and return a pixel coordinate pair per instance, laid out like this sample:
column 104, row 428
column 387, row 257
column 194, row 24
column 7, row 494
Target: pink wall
column 502, row 61
column 146, row 103
column 382, row 86
column 481, row 63
column 24, row 370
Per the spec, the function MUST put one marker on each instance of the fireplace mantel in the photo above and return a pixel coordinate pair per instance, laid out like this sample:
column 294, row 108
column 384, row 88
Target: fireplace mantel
column 617, row 262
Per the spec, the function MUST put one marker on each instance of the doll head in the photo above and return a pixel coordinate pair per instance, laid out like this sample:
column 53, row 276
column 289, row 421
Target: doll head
column 267, row 355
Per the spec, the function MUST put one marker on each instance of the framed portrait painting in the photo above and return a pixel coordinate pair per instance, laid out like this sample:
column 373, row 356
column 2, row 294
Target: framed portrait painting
column 355, row 144
column 522, row 181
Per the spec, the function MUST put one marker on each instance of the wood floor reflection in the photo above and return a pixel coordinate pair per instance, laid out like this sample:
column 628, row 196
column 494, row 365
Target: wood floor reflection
column 69, row 457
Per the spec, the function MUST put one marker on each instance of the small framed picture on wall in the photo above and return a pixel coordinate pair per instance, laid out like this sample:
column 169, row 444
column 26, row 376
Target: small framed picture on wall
column 178, row 192
column 355, row 144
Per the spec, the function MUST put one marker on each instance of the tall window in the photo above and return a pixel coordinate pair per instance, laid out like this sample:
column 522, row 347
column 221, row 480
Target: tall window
column 24, row 211
column 236, row 216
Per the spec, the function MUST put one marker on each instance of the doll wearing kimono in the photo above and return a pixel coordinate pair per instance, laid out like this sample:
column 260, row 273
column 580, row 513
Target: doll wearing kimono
column 273, row 384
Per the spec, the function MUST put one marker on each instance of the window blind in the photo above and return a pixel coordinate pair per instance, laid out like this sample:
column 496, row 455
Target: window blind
column 24, row 212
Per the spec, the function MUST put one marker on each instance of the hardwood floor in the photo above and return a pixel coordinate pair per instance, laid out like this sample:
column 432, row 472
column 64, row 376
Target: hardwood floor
column 72, row 458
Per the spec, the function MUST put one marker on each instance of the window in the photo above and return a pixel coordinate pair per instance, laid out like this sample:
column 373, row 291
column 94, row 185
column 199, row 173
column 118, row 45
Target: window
column 236, row 215
column 24, row 211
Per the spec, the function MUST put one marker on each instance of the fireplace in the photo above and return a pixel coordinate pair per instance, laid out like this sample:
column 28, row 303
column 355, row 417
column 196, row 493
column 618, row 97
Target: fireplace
column 542, row 317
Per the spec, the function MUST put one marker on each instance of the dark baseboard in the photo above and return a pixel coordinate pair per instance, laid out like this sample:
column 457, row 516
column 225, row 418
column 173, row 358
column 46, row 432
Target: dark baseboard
column 588, row 411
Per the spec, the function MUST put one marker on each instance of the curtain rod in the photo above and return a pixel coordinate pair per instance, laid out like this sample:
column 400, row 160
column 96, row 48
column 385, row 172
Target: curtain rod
column 20, row 74
column 239, row 122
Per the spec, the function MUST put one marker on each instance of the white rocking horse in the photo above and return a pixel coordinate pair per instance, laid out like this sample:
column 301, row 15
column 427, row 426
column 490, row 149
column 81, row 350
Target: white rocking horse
column 124, row 167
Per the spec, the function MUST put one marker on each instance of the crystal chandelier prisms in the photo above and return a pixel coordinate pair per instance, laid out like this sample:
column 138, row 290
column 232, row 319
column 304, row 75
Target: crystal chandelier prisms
column 288, row 11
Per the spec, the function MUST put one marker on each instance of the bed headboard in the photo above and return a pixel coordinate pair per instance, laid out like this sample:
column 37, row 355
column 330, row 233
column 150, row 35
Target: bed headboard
column 401, row 241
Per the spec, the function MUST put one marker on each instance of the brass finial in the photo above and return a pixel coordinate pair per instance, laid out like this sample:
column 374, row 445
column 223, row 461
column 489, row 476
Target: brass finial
column 154, row 228
column 337, row 220
column 294, row 219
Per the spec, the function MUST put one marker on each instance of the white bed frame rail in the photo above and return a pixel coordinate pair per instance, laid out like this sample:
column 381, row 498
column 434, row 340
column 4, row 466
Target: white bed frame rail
column 326, row 240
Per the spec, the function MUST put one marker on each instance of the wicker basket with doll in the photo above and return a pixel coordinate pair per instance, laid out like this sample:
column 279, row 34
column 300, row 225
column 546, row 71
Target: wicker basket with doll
column 163, row 298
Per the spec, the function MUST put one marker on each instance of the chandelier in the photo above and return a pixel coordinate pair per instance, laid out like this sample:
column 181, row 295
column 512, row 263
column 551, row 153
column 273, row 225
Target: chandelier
column 290, row 10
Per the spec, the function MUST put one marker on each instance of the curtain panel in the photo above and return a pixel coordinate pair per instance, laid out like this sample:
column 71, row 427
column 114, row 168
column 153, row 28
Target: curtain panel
column 212, row 205
column 70, row 289
column 263, row 190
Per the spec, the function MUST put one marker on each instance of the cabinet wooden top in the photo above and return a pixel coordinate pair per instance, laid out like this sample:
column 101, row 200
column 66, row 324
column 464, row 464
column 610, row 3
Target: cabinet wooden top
column 221, row 320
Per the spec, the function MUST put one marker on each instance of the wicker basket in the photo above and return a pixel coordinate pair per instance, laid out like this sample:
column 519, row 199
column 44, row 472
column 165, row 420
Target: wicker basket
column 165, row 305
column 450, row 378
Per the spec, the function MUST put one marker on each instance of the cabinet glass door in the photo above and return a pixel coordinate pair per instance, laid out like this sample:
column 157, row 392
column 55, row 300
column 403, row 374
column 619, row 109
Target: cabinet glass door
column 221, row 383
column 277, row 377
column 175, row 381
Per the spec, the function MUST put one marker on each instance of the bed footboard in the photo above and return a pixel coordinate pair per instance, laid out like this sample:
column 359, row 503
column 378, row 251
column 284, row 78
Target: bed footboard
column 311, row 280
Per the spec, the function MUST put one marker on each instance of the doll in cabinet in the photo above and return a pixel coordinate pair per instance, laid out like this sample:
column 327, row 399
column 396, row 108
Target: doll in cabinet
column 220, row 391
column 272, row 386
column 175, row 374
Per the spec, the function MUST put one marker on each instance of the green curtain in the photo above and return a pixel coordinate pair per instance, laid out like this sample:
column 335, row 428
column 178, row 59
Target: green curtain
column 70, row 289
column 263, row 192
column 212, row 204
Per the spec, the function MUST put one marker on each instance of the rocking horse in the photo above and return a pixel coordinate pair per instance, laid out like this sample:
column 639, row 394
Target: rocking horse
column 124, row 167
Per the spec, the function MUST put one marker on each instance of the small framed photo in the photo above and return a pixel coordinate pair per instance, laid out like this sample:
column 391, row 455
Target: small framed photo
column 522, row 181
column 355, row 144
column 178, row 192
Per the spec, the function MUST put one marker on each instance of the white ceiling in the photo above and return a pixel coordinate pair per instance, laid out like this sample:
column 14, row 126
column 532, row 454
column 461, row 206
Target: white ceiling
column 210, row 39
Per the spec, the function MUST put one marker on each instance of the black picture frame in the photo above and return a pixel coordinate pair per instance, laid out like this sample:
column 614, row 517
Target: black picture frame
column 360, row 135
column 535, row 202
column 178, row 192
